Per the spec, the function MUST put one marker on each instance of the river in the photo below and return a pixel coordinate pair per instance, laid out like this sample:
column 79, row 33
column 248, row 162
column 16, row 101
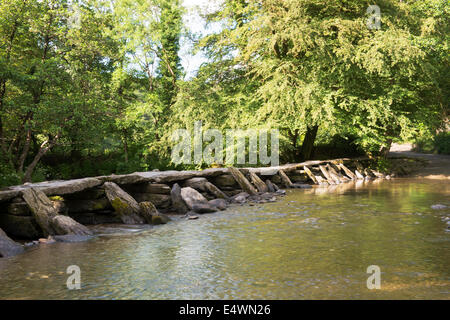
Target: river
column 312, row 244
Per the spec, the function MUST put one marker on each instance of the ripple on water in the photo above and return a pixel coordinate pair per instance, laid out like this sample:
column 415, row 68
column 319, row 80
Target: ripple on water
column 308, row 245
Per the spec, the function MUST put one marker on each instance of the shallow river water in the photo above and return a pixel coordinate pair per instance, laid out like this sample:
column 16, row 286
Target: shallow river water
column 311, row 244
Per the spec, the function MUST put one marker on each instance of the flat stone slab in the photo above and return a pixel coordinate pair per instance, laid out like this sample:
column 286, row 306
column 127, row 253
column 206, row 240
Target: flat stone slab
column 50, row 188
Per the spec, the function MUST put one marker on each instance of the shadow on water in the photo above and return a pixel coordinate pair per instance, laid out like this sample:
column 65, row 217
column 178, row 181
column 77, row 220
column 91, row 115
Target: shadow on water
column 312, row 244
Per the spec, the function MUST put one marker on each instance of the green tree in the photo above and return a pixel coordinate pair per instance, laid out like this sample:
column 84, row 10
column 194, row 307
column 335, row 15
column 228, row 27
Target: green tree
column 321, row 68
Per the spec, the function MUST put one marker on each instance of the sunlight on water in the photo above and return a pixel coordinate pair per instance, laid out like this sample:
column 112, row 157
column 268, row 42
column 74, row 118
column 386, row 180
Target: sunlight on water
column 312, row 244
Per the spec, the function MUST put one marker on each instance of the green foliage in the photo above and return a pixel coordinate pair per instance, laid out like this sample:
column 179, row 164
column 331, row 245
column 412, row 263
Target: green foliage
column 8, row 176
column 94, row 87
column 442, row 143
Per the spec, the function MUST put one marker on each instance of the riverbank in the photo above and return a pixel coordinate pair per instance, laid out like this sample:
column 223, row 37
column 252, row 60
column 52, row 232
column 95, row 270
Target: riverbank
column 437, row 167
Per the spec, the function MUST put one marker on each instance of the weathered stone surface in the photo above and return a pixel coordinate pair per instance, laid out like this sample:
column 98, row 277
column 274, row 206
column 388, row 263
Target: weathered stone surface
column 285, row 179
column 358, row 175
column 377, row 174
column 17, row 200
column 177, row 200
column 225, row 180
column 275, row 179
column 299, row 176
column 8, row 247
column 192, row 196
column 66, row 225
column 6, row 194
column 242, row 181
column 162, row 201
column 41, row 208
column 327, row 175
column 148, row 210
column 160, row 218
column 20, row 226
column 202, row 184
column 337, row 176
column 51, row 187
column 88, row 194
column 311, row 175
column 124, row 205
column 212, row 189
column 46, row 216
column 220, row 204
column 159, row 188
column 78, row 206
column 348, row 172
column 99, row 217
column 240, row 197
column 19, row 209
column 270, row 186
column 259, row 184
column 151, row 176
column 204, row 207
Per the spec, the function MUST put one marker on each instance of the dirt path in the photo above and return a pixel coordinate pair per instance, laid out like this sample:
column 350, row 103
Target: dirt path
column 438, row 166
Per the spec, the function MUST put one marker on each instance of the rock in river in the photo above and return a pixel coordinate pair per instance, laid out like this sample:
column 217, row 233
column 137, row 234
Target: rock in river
column 220, row 204
column 8, row 247
column 177, row 200
column 438, row 206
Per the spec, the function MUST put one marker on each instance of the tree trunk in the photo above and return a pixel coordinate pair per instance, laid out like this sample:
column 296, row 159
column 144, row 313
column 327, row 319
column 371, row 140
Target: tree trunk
column 384, row 150
column 25, row 151
column 47, row 145
column 3, row 84
column 125, row 145
column 293, row 136
column 308, row 143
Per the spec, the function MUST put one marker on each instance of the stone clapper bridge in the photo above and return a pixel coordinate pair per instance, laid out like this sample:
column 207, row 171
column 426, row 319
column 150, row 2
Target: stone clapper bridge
column 61, row 209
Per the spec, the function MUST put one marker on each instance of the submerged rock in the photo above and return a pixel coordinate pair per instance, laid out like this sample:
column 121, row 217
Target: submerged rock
column 177, row 200
column 438, row 206
column 240, row 197
column 220, row 204
column 192, row 196
column 270, row 186
column 9, row 247
column 201, row 207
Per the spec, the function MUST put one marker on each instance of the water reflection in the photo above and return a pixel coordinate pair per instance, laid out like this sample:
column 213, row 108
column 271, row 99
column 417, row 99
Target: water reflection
column 314, row 244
